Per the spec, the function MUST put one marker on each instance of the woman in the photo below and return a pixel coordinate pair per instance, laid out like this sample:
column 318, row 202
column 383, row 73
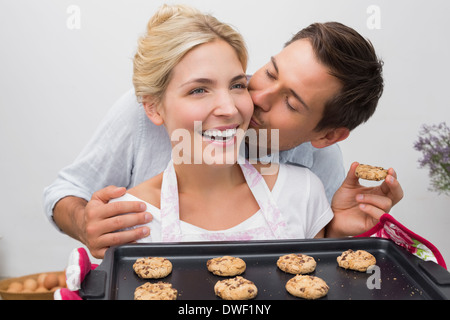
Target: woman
column 189, row 74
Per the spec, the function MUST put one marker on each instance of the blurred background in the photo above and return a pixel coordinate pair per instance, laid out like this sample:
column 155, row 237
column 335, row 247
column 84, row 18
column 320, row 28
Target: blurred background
column 64, row 63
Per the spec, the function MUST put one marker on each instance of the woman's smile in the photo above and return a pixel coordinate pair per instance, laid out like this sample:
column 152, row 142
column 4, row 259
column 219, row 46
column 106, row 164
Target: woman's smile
column 221, row 135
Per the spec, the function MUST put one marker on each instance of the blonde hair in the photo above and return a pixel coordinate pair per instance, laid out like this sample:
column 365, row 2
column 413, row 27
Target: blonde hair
column 171, row 33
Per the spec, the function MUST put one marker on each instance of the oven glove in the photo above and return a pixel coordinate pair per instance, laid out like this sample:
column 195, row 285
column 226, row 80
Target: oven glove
column 389, row 228
column 78, row 267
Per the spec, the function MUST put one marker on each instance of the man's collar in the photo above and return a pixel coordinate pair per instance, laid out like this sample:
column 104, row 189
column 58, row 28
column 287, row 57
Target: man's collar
column 300, row 155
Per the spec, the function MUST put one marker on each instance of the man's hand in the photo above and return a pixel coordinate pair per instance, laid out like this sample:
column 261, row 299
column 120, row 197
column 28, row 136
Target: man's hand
column 96, row 223
column 358, row 208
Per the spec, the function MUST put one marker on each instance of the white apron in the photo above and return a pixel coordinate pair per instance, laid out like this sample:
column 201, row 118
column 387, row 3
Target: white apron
column 274, row 228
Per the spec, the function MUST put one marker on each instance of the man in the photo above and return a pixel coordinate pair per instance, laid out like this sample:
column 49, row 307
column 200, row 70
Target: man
column 324, row 83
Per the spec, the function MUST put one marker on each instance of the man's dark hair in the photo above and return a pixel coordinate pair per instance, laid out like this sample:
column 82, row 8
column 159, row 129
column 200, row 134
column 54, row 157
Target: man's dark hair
column 352, row 60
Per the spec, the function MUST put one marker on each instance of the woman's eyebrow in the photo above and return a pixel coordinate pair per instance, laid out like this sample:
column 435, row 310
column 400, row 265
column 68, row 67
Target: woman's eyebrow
column 211, row 81
column 198, row 80
column 239, row 77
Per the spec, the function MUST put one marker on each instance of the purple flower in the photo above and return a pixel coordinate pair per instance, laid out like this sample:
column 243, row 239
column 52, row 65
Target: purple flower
column 434, row 143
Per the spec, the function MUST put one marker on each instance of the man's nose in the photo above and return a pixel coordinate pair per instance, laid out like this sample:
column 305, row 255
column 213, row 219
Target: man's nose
column 264, row 98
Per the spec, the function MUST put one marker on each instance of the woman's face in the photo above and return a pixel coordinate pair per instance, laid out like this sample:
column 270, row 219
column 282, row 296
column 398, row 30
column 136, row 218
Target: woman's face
column 206, row 107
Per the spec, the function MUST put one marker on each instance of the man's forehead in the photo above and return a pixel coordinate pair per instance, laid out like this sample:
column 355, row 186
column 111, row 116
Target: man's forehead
column 305, row 74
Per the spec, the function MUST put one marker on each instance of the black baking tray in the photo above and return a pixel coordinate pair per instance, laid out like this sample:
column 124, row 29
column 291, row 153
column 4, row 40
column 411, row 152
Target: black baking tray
column 400, row 275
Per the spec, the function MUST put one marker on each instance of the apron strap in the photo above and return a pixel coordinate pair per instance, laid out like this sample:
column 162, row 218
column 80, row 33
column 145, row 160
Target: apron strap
column 170, row 219
column 265, row 200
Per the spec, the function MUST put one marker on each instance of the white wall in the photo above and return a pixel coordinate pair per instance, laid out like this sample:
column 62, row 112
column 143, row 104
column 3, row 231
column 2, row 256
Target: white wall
column 56, row 84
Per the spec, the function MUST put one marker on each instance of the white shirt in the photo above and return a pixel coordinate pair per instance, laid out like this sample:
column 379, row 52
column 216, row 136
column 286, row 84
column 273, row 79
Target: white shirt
column 127, row 149
column 297, row 192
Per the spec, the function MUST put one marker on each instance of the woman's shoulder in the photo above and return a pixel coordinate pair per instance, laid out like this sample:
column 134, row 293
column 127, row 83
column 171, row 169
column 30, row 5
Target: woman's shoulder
column 149, row 190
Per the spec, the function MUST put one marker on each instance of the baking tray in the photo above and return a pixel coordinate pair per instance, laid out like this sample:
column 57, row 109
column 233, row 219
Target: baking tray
column 401, row 276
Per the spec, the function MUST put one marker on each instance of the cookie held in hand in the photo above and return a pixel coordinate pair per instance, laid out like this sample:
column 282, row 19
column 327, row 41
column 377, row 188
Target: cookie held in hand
column 367, row 172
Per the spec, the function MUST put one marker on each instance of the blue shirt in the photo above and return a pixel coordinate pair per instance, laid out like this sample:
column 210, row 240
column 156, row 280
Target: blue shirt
column 127, row 149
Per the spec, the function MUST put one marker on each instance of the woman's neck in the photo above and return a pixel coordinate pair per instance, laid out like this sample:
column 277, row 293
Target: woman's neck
column 204, row 179
column 214, row 197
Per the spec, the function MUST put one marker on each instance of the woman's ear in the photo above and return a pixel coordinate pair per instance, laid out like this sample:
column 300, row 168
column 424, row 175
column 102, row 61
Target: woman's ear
column 330, row 137
column 151, row 108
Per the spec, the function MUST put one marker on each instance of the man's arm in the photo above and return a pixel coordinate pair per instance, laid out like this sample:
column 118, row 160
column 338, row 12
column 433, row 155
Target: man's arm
column 107, row 159
column 68, row 215
column 77, row 201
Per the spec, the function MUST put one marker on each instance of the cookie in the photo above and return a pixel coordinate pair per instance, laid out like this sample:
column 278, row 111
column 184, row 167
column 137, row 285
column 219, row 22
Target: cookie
column 296, row 263
column 226, row 266
column 237, row 288
column 367, row 172
column 307, row 287
column 358, row 260
column 152, row 267
column 155, row 291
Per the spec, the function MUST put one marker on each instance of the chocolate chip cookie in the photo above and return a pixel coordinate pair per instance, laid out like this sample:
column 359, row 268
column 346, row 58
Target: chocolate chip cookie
column 152, row 267
column 358, row 260
column 367, row 172
column 237, row 288
column 226, row 266
column 296, row 263
column 307, row 287
column 155, row 291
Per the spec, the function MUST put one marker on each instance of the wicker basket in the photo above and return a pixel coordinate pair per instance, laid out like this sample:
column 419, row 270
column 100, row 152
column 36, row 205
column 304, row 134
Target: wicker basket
column 4, row 284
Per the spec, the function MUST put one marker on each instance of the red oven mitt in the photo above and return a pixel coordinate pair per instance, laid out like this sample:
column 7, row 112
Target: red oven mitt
column 390, row 228
column 77, row 269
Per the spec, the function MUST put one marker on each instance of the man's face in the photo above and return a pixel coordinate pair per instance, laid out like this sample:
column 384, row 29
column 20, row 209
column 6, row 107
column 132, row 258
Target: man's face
column 289, row 94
